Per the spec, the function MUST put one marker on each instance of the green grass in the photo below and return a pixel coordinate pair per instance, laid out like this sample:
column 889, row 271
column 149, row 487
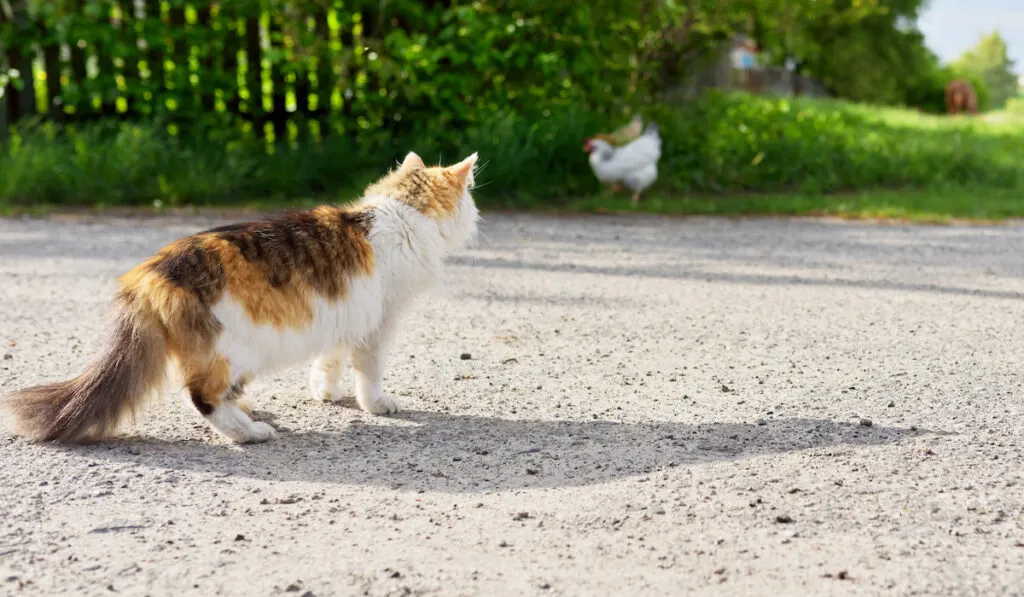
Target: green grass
column 929, row 205
column 722, row 155
column 920, row 206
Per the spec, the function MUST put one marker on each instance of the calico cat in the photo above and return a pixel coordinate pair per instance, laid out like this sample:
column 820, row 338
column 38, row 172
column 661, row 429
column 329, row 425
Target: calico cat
column 230, row 303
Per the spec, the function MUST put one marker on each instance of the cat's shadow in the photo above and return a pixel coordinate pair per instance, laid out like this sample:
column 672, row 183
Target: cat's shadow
column 463, row 454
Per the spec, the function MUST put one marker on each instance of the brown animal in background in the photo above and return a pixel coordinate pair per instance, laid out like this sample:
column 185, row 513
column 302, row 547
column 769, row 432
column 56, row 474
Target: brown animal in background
column 960, row 97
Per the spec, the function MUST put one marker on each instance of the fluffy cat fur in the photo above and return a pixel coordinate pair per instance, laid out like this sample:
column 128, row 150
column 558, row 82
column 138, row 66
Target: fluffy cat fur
column 230, row 303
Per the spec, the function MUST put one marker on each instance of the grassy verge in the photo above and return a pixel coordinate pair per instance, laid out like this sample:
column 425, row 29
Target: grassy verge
column 928, row 205
column 722, row 155
column 932, row 206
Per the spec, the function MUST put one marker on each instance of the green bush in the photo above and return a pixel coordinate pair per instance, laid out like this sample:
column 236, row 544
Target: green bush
column 721, row 143
column 743, row 143
column 929, row 92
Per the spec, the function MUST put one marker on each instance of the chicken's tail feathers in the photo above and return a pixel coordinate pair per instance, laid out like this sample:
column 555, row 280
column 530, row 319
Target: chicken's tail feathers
column 652, row 130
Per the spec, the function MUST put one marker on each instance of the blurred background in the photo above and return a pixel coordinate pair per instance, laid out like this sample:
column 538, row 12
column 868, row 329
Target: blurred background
column 764, row 106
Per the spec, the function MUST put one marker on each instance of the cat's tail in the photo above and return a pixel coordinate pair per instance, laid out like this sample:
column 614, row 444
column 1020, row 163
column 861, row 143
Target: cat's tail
column 90, row 406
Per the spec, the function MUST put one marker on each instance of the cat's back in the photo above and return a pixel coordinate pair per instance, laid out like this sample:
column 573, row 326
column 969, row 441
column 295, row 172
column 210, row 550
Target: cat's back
column 320, row 248
column 272, row 267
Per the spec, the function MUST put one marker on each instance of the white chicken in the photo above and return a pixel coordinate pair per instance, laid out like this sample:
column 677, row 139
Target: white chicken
column 634, row 165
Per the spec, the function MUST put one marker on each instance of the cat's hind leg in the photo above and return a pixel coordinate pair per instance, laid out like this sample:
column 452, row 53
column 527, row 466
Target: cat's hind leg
column 216, row 398
column 325, row 375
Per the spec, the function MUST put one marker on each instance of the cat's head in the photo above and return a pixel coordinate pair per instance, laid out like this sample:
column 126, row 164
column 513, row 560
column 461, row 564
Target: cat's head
column 441, row 193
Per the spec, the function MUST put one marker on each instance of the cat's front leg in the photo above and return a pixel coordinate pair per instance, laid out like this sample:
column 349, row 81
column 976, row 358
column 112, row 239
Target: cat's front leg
column 325, row 375
column 368, row 363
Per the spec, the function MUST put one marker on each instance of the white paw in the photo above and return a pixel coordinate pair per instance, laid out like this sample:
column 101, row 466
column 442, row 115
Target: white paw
column 325, row 379
column 229, row 420
column 260, row 432
column 383, row 405
column 326, row 392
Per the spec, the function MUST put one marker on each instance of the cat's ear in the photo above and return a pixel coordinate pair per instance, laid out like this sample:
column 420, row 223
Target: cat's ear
column 412, row 162
column 463, row 169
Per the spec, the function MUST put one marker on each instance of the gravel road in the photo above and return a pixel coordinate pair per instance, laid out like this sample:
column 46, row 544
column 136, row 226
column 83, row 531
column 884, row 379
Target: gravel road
column 650, row 407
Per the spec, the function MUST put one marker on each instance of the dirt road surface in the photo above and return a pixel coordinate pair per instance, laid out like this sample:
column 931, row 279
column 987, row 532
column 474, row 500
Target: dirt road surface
column 649, row 407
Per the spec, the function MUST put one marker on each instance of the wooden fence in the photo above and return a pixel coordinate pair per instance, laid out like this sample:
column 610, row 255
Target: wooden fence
column 301, row 67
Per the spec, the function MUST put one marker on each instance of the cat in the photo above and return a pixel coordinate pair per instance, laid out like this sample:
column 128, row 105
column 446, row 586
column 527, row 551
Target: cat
column 232, row 302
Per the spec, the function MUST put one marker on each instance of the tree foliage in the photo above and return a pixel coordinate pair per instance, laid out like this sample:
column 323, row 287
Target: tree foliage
column 990, row 61
column 863, row 51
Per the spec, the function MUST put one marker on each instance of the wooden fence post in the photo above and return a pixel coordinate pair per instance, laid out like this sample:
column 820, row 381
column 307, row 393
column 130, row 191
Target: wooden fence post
column 325, row 79
column 6, row 89
column 105, row 75
column 179, row 56
column 254, row 75
column 20, row 104
column 79, row 74
column 229, row 64
column 279, row 115
column 208, row 79
column 51, row 61
column 130, row 68
column 3, row 100
column 155, row 41
column 3, row 120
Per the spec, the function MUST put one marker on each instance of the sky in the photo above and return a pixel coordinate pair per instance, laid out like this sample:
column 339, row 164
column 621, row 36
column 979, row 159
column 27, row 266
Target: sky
column 953, row 26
